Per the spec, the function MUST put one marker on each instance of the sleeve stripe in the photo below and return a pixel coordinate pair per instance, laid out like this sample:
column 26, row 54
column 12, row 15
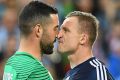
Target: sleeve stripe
column 105, row 72
column 97, row 70
column 104, row 69
column 101, row 71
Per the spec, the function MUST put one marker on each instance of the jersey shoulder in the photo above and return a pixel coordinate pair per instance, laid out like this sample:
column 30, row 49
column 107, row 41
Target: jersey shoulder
column 101, row 71
column 19, row 66
column 18, row 61
column 92, row 69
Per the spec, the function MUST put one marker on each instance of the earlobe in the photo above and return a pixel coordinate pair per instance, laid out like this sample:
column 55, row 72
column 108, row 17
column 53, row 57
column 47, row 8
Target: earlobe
column 83, row 39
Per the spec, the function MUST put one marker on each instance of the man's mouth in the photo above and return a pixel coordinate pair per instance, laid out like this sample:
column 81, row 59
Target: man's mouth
column 60, row 41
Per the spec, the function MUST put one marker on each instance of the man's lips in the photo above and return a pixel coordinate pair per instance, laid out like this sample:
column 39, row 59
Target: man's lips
column 60, row 41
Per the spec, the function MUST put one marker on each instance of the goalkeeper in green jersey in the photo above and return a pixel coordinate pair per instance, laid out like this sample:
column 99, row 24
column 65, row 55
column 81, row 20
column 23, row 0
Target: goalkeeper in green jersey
column 38, row 25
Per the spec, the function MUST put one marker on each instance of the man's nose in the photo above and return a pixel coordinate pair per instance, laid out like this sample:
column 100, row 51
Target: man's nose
column 59, row 34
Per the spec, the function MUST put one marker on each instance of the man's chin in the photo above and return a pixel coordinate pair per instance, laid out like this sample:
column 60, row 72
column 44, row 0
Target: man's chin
column 60, row 51
column 47, row 49
column 48, row 52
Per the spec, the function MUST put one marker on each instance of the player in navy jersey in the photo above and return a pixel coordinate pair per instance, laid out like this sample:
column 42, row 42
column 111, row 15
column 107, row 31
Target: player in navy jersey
column 76, row 38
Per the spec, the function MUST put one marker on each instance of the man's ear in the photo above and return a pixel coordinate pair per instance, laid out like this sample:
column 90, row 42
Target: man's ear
column 38, row 30
column 83, row 39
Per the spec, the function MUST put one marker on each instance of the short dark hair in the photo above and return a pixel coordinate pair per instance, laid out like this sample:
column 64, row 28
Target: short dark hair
column 88, row 24
column 35, row 12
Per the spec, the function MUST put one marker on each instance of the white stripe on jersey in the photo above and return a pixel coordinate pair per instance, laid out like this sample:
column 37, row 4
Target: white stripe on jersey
column 97, row 70
column 101, row 71
column 105, row 72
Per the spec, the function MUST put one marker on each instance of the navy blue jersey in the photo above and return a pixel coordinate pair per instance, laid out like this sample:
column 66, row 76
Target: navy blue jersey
column 92, row 69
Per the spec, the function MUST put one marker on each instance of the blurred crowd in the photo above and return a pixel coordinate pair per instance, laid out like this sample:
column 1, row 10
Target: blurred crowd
column 106, row 48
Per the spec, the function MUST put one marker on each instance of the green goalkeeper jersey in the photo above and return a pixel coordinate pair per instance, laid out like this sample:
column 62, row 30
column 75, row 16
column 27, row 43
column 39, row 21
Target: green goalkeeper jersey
column 23, row 66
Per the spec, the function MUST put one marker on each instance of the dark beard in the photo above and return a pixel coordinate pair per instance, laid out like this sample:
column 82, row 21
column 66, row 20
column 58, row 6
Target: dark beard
column 46, row 48
column 45, row 45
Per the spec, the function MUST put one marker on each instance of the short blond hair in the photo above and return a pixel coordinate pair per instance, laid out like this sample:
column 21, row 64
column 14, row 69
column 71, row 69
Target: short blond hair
column 90, row 24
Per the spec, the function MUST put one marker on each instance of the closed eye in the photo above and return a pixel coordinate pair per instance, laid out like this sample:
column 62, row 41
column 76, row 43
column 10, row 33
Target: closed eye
column 65, row 29
column 56, row 28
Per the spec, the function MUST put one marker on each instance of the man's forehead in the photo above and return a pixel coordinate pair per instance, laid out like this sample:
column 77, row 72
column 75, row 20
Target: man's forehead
column 55, row 18
column 70, row 21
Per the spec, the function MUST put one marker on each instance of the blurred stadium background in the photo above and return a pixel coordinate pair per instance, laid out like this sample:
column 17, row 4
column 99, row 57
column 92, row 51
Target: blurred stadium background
column 106, row 48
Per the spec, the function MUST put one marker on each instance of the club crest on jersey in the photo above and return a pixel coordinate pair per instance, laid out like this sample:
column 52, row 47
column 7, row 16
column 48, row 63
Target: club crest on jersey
column 9, row 74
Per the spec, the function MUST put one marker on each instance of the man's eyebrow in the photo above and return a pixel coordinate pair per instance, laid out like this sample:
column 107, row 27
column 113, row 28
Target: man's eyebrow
column 65, row 28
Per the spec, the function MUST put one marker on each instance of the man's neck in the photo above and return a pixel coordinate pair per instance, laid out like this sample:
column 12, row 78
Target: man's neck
column 30, row 46
column 80, row 56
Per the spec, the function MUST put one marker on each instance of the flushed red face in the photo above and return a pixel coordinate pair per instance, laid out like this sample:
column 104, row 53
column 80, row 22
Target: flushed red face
column 68, row 36
column 49, row 35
